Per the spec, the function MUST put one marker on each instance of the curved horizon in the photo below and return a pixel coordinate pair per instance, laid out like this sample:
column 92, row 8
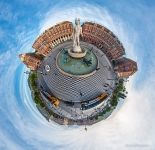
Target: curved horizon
column 23, row 127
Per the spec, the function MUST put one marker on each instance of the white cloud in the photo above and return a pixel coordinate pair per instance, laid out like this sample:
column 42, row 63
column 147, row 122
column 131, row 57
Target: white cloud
column 131, row 126
column 133, row 123
column 6, row 13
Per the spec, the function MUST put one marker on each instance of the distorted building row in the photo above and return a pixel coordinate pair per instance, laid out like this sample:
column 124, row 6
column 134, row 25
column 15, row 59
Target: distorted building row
column 125, row 67
column 103, row 39
column 93, row 33
column 53, row 36
column 31, row 60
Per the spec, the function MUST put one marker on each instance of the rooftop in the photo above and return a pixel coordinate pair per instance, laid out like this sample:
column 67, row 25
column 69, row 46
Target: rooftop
column 73, row 89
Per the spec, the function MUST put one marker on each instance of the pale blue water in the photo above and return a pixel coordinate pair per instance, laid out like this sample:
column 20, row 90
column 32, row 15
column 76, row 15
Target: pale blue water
column 78, row 66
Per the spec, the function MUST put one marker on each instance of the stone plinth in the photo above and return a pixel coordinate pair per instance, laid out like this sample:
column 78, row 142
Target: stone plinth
column 77, row 54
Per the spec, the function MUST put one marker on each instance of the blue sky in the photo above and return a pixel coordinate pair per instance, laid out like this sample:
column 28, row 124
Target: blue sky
column 22, row 127
column 17, row 17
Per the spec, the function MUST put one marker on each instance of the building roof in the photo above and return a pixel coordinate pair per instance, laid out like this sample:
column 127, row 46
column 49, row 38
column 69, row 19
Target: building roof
column 71, row 88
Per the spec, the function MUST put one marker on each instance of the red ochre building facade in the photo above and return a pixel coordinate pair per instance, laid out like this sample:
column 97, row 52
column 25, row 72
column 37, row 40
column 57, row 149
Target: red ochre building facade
column 103, row 39
column 53, row 36
column 125, row 67
column 93, row 33
column 30, row 60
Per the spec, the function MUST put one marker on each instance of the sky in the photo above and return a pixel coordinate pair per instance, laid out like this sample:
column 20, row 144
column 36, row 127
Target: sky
column 22, row 127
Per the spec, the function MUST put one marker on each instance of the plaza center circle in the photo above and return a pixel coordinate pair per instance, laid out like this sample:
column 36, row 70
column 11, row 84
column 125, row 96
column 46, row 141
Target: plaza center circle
column 77, row 66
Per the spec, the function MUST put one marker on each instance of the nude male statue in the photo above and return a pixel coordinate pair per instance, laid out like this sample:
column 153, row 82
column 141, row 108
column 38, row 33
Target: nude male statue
column 76, row 36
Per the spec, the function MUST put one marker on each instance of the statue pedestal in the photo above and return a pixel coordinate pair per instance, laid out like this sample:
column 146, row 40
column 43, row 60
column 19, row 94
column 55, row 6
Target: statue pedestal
column 77, row 49
column 80, row 54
